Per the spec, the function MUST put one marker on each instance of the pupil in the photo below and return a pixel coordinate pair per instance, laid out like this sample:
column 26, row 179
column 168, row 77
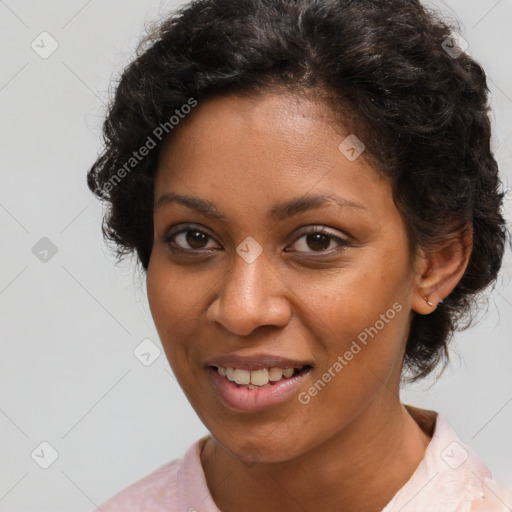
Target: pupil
column 318, row 241
column 195, row 238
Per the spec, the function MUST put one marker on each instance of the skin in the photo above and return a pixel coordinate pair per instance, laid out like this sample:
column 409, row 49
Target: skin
column 354, row 444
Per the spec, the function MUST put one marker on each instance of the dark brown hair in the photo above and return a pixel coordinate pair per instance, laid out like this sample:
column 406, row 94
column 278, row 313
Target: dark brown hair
column 421, row 110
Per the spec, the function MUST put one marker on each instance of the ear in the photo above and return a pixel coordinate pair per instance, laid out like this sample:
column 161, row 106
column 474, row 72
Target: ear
column 439, row 270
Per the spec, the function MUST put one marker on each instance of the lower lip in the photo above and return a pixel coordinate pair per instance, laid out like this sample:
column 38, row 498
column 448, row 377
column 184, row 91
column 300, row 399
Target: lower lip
column 251, row 400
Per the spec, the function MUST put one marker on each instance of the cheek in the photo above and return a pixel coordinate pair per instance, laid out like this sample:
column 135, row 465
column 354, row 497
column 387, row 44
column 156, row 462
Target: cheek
column 171, row 300
column 364, row 353
column 351, row 301
column 160, row 296
column 365, row 332
column 362, row 323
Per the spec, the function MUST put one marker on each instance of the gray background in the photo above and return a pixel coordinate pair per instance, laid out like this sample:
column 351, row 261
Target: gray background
column 69, row 324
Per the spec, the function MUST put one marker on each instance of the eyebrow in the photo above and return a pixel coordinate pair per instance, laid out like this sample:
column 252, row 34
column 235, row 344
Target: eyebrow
column 277, row 212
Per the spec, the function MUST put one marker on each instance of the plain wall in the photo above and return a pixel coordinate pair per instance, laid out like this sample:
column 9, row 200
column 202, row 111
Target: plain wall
column 69, row 325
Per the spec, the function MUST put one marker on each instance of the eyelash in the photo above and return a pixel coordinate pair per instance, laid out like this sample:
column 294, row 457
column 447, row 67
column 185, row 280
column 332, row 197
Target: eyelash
column 169, row 239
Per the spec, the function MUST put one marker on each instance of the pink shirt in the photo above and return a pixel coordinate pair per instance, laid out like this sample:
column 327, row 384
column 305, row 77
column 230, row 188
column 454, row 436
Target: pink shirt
column 450, row 478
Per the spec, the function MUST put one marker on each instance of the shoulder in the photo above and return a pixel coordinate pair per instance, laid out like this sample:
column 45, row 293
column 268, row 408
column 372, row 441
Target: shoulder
column 495, row 497
column 153, row 492
column 465, row 472
column 161, row 490
column 451, row 477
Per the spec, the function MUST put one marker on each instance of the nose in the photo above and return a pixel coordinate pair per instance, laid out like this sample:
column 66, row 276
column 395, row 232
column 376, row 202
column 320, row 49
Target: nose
column 250, row 296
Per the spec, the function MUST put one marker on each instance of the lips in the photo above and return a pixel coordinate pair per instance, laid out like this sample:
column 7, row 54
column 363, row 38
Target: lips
column 248, row 397
column 254, row 398
column 256, row 362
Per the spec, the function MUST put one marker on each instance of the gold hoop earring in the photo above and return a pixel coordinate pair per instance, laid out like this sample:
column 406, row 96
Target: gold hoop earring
column 428, row 302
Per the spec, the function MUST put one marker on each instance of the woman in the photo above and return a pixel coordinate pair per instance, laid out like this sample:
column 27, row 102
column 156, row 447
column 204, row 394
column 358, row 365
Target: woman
column 310, row 189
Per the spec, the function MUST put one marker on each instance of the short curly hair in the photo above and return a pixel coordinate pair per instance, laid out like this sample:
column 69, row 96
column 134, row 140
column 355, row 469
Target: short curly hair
column 421, row 110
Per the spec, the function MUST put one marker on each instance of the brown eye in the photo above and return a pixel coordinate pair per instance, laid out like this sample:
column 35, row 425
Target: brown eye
column 196, row 239
column 189, row 239
column 320, row 241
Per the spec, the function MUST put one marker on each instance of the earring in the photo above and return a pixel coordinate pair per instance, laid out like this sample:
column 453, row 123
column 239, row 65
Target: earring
column 428, row 302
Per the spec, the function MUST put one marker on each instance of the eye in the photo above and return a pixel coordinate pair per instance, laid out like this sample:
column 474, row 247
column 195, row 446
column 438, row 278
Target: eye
column 319, row 240
column 188, row 239
column 316, row 240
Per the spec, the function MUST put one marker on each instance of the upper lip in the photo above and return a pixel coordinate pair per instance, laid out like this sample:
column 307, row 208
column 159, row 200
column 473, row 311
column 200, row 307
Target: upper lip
column 255, row 362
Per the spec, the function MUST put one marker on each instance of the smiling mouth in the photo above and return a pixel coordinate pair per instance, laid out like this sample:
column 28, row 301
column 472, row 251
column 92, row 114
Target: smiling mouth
column 259, row 379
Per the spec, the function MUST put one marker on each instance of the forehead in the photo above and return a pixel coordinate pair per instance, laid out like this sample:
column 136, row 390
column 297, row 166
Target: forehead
column 259, row 149
column 254, row 122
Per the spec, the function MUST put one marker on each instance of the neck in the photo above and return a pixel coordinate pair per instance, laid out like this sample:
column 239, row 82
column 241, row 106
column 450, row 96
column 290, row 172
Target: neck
column 359, row 469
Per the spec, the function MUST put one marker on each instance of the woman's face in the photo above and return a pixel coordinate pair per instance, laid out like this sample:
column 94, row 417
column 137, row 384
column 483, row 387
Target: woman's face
column 238, row 277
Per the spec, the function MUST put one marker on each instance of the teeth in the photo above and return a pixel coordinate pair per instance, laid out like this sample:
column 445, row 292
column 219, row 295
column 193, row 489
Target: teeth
column 275, row 374
column 242, row 376
column 256, row 378
column 259, row 377
column 288, row 372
